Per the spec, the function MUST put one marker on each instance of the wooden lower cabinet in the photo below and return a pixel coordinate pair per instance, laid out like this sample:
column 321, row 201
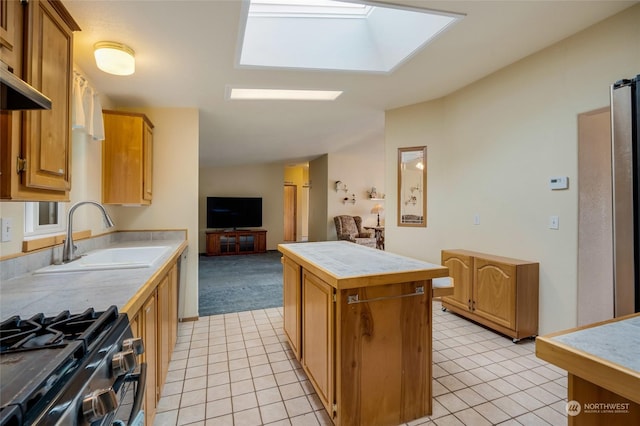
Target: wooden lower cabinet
column 156, row 322
column 498, row 292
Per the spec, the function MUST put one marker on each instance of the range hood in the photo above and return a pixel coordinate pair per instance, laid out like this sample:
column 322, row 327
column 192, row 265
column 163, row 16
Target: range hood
column 16, row 94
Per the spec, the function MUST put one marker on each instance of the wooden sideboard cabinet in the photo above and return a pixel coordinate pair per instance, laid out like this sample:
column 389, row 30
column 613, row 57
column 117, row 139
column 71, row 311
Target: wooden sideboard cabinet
column 35, row 161
column 127, row 158
column 241, row 241
column 498, row 292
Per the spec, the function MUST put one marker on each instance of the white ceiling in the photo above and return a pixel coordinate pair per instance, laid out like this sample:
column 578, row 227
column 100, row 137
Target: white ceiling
column 186, row 55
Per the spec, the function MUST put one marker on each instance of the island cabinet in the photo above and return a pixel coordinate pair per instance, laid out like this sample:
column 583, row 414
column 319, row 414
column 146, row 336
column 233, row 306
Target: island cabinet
column 35, row 155
column 498, row 292
column 603, row 370
column 359, row 320
column 127, row 158
column 154, row 317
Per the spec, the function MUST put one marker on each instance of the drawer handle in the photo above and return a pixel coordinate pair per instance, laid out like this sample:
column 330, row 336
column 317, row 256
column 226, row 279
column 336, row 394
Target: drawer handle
column 355, row 299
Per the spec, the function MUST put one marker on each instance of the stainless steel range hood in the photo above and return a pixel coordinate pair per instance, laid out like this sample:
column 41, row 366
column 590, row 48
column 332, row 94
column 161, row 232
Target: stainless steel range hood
column 16, row 94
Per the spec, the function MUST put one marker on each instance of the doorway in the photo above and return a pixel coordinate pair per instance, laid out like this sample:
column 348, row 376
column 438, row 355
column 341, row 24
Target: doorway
column 290, row 212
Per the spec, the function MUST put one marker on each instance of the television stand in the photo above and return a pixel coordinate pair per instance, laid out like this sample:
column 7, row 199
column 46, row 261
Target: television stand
column 237, row 241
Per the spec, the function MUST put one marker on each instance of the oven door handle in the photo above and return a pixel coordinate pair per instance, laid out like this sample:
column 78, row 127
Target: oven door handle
column 141, row 378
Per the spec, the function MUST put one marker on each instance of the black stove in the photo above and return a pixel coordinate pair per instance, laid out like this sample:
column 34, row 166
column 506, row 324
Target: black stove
column 70, row 369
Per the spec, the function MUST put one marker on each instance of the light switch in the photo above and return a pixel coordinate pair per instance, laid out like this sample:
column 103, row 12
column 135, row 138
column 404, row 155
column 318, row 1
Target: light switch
column 559, row 182
column 6, row 224
column 554, row 222
column 476, row 219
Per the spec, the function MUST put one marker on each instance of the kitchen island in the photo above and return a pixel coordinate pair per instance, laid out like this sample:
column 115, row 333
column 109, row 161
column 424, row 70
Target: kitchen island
column 359, row 322
column 603, row 365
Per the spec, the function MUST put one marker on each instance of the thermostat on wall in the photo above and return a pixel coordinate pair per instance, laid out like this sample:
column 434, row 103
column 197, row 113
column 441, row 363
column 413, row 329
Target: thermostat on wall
column 559, row 182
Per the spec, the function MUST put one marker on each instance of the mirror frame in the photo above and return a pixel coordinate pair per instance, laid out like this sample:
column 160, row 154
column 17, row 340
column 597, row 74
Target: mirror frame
column 412, row 199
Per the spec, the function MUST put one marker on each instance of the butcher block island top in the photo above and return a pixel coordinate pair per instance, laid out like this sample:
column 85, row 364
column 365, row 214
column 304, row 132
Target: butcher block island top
column 359, row 321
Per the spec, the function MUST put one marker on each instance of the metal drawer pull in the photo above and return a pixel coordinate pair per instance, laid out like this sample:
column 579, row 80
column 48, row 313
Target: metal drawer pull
column 354, row 298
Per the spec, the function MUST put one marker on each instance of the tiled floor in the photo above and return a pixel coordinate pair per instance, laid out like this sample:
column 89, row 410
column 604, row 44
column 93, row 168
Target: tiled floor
column 237, row 369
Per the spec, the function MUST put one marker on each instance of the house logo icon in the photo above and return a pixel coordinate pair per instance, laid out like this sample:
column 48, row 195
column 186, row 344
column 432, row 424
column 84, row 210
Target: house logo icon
column 573, row 408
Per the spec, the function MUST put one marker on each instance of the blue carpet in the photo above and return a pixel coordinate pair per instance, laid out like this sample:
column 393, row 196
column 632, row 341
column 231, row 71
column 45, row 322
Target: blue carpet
column 239, row 283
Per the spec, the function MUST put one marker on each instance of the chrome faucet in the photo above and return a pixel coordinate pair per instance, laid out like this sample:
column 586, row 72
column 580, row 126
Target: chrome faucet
column 68, row 249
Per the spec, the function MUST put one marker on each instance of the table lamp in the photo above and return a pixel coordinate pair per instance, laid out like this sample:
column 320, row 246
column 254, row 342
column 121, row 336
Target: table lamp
column 377, row 209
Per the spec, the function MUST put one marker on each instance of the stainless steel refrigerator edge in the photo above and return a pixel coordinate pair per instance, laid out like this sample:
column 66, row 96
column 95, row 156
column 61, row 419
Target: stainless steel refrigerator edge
column 625, row 111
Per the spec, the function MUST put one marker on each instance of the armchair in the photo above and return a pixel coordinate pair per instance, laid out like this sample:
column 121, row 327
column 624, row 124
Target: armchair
column 349, row 228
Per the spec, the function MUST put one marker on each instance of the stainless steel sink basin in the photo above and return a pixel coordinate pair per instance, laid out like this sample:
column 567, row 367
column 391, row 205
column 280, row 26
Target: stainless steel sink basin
column 110, row 258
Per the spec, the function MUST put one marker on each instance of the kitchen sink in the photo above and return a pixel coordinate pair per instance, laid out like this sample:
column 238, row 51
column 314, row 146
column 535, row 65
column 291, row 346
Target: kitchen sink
column 110, row 258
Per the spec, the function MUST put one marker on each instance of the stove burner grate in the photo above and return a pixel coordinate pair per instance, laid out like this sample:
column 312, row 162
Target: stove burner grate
column 41, row 332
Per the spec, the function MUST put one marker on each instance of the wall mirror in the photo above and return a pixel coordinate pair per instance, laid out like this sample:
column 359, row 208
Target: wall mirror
column 412, row 186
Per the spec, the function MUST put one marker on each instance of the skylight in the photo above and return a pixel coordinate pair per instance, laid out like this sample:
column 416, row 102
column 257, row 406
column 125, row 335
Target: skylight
column 237, row 93
column 335, row 35
column 307, row 8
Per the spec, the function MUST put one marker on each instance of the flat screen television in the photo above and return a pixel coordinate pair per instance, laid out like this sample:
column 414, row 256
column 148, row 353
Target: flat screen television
column 234, row 212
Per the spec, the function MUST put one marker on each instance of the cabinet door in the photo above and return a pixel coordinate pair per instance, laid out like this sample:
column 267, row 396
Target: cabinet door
column 292, row 294
column 147, row 178
column 122, row 160
column 494, row 292
column 149, row 337
column 461, row 270
column 173, row 307
column 318, row 343
column 47, row 134
column 9, row 20
column 164, row 328
column 213, row 244
column 261, row 242
column 385, row 356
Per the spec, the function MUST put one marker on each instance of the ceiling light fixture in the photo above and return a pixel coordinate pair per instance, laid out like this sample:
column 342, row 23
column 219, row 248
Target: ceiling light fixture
column 115, row 58
column 283, row 94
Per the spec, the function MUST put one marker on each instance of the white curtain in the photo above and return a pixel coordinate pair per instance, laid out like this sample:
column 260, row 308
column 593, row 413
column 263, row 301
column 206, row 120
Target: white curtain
column 86, row 108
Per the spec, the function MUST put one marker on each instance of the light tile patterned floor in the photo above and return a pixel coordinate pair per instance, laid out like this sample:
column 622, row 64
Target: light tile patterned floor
column 237, row 369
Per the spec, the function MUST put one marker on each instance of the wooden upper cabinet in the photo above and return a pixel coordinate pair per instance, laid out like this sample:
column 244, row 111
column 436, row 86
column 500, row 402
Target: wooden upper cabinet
column 127, row 158
column 37, row 147
column 9, row 32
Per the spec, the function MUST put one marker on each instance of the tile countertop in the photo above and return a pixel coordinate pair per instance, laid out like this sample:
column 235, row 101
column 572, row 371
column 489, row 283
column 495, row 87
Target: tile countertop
column 605, row 354
column 29, row 294
column 343, row 264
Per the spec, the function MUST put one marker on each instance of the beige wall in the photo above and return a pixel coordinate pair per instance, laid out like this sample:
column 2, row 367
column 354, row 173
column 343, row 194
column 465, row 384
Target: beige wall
column 492, row 148
column 360, row 167
column 258, row 180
